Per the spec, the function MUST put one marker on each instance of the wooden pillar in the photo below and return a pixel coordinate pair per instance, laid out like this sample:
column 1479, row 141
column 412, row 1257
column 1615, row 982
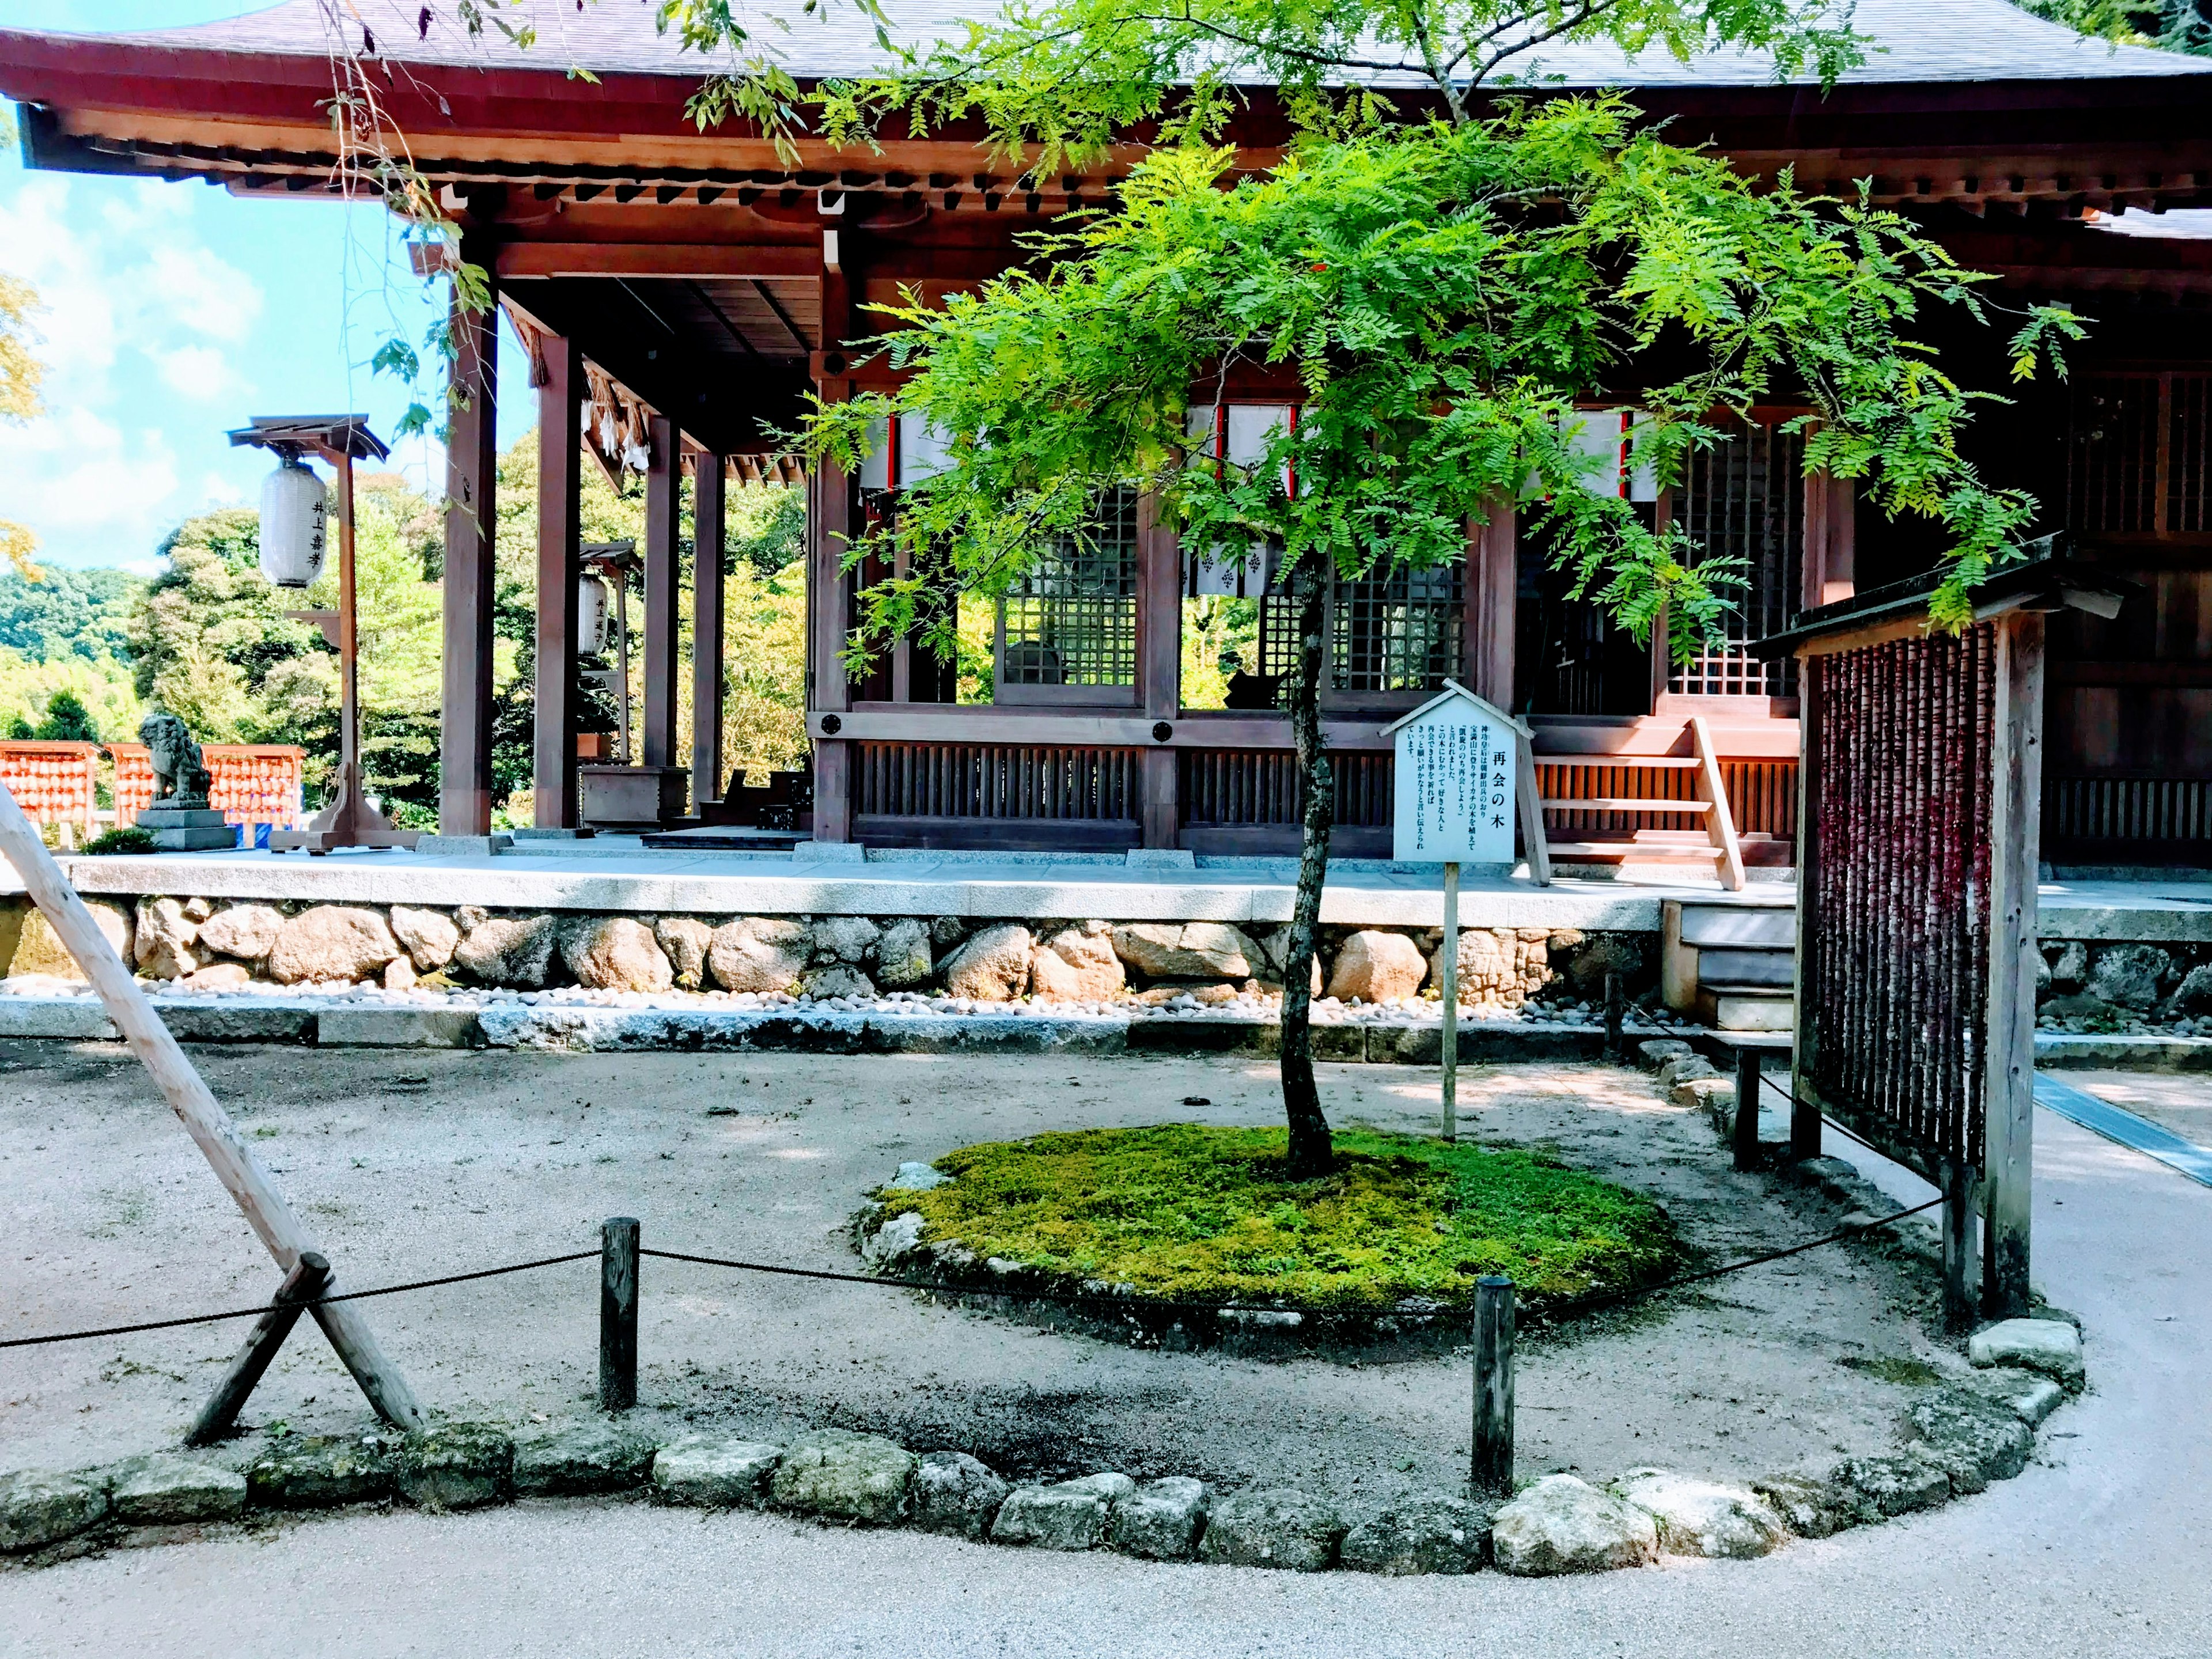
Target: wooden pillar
column 1805, row 1125
column 471, row 470
column 1831, row 546
column 829, row 529
column 664, row 491
column 707, row 481
column 2008, row 1083
column 1159, row 671
column 560, row 485
column 1491, row 595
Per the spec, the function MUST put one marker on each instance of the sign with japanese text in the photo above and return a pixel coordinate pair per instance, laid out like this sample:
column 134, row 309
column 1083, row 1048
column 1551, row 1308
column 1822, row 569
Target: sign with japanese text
column 1457, row 760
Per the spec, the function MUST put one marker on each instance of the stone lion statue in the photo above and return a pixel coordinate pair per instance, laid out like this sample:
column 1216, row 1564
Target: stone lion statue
column 179, row 777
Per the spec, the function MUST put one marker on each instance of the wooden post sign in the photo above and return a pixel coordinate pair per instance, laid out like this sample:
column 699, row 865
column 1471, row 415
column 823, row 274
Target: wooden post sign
column 1460, row 764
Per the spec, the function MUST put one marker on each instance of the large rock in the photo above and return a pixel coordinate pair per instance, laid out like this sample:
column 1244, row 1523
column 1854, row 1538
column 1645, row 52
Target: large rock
column 841, row 1476
column 1070, row 1514
column 759, row 953
column 1161, row 1519
column 838, row 979
column 1077, row 965
column 1376, row 966
column 1976, row 1440
column 38, row 949
column 714, row 1471
column 847, row 938
column 2129, row 975
column 1898, row 1485
column 1815, row 1507
column 615, row 953
column 684, row 941
column 955, row 1494
column 992, row 967
column 38, row 1507
column 456, row 1466
column 1420, row 1534
column 2026, row 1396
column 1273, row 1527
column 332, row 942
column 1688, row 1067
column 1703, row 1517
column 1194, row 950
column 166, row 1490
column 903, row 958
column 2050, row 1346
column 2071, row 968
column 1561, row 1524
column 165, row 940
column 510, row 950
column 2194, row 994
column 559, row 1459
column 428, row 937
column 318, row 1471
column 247, row 932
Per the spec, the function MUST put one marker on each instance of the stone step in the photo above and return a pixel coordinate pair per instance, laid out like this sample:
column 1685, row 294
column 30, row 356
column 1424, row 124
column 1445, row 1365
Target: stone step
column 1741, row 927
column 1741, row 970
column 1747, row 1010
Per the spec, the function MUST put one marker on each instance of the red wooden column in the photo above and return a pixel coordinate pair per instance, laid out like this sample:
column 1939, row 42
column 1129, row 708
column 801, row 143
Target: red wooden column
column 560, row 485
column 1159, row 669
column 1830, row 543
column 471, row 470
column 829, row 525
column 1490, row 594
column 707, row 629
column 663, row 489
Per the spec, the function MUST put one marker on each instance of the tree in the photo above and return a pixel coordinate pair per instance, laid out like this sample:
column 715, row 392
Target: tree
column 68, row 720
column 1445, row 282
column 2177, row 25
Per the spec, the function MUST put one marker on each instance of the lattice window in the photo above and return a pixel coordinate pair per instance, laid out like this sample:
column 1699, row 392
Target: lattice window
column 1745, row 499
column 2189, row 454
column 2113, row 482
column 1073, row 621
column 1400, row 633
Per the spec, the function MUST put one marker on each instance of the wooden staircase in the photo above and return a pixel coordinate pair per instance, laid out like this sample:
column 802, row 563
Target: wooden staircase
column 1713, row 844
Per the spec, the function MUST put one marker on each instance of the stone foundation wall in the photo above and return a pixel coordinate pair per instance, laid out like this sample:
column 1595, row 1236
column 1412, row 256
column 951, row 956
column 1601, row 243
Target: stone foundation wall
column 2098, row 986
column 209, row 944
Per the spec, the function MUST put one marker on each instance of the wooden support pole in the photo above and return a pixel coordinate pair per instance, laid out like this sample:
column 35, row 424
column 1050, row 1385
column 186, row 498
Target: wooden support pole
column 560, row 569
column 618, row 1313
column 1805, row 1118
column 1747, row 1107
column 663, row 492
column 1956, row 1232
column 1159, row 671
column 707, row 491
column 472, row 472
column 209, row 1125
column 1616, row 1018
column 301, row 1286
column 2008, row 1082
column 1492, row 1473
column 1448, row 987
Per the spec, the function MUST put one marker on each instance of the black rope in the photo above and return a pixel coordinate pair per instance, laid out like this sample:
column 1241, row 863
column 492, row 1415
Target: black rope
column 305, row 1306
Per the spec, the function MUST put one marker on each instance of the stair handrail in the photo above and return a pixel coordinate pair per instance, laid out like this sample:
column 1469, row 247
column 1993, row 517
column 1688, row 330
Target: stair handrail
column 1720, row 823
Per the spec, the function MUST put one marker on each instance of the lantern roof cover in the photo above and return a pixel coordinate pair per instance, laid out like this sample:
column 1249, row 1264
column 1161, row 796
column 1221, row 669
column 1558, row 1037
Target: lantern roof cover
column 1454, row 692
column 2053, row 582
column 348, row 434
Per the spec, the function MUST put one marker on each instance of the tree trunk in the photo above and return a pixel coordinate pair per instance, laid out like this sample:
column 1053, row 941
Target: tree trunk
column 1312, row 1154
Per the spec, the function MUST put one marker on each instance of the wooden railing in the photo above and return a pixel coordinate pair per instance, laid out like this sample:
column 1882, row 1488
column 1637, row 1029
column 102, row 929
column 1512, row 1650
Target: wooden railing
column 2138, row 814
column 995, row 780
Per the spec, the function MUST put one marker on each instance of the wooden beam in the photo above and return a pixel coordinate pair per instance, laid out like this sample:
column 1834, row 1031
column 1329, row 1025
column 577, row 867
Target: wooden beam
column 560, row 496
column 1028, row 723
column 471, row 474
column 2008, row 1080
column 706, row 492
column 677, row 259
column 664, row 488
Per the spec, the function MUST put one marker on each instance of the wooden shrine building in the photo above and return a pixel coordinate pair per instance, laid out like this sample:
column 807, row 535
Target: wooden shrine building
column 679, row 292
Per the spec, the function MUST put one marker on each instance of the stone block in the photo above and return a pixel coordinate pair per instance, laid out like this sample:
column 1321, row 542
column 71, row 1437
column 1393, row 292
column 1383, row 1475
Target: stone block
column 1703, row 1517
column 2049, row 1346
column 319, row 1471
column 955, row 1494
column 1561, row 1525
column 684, row 941
column 516, row 952
column 38, row 949
column 714, row 1471
column 1077, row 965
column 1898, row 1485
column 1431, row 1534
column 1347, row 1043
column 1376, row 966
column 370, row 1027
column 841, row 1476
column 1713, row 1095
column 247, row 932
column 561, row 1459
column 992, row 967
column 848, row 938
column 2129, row 975
column 164, row 939
column 1658, row 1054
column 456, row 1466
column 258, row 1020
column 2028, row 1396
column 332, row 942
column 1069, row 1515
column 758, row 953
column 38, row 1507
column 903, row 956
column 1162, row 1519
column 76, row 1019
column 838, row 979
column 1196, row 950
column 1814, row 1507
column 428, row 937
column 1273, row 1527
column 166, row 1490
column 615, row 953
column 1683, row 1068
column 1977, row 1440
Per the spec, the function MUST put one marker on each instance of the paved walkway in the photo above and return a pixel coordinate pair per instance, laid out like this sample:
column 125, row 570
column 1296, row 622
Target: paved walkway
column 2098, row 1550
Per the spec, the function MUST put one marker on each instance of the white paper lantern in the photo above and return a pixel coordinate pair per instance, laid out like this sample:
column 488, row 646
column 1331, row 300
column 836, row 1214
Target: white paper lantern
column 591, row 615
column 294, row 509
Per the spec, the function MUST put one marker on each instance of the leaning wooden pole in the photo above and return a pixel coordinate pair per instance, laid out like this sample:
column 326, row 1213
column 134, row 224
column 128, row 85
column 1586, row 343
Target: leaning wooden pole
column 203, row 1119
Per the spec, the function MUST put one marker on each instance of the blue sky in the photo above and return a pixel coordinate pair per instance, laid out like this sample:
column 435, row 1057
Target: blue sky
column 175, row 312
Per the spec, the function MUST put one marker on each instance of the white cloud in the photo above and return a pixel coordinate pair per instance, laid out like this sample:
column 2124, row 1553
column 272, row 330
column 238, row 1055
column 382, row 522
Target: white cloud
column 199, row 372
column 217, row 490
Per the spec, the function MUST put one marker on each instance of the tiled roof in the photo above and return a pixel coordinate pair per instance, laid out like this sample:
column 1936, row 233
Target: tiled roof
column 1918, row 41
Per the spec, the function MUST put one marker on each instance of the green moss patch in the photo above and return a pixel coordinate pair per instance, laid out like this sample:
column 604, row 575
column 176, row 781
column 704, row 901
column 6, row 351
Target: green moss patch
column 1188, row 1210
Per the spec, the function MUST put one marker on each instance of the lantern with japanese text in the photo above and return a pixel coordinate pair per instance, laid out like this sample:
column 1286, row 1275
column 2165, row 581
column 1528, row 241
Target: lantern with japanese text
column 294, row 511
column 591, row 615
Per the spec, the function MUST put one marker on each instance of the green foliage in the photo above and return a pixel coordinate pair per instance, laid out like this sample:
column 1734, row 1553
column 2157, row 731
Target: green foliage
column 129, row 839
column 81, row 613
column 1184, row 1209
column 67, row 720
column 2177, row 25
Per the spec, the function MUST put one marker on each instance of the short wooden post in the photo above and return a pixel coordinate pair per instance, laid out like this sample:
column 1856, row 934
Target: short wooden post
column 1957, row 1235
column 1492, row 1473
column 309, row 1274
column 2008, row 1060
column 1616, row 1015
column 1747, row 1107
column 618, row 1313
column 1448, row 987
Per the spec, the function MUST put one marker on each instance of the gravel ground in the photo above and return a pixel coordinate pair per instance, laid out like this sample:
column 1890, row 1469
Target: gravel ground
column 408, row 1166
